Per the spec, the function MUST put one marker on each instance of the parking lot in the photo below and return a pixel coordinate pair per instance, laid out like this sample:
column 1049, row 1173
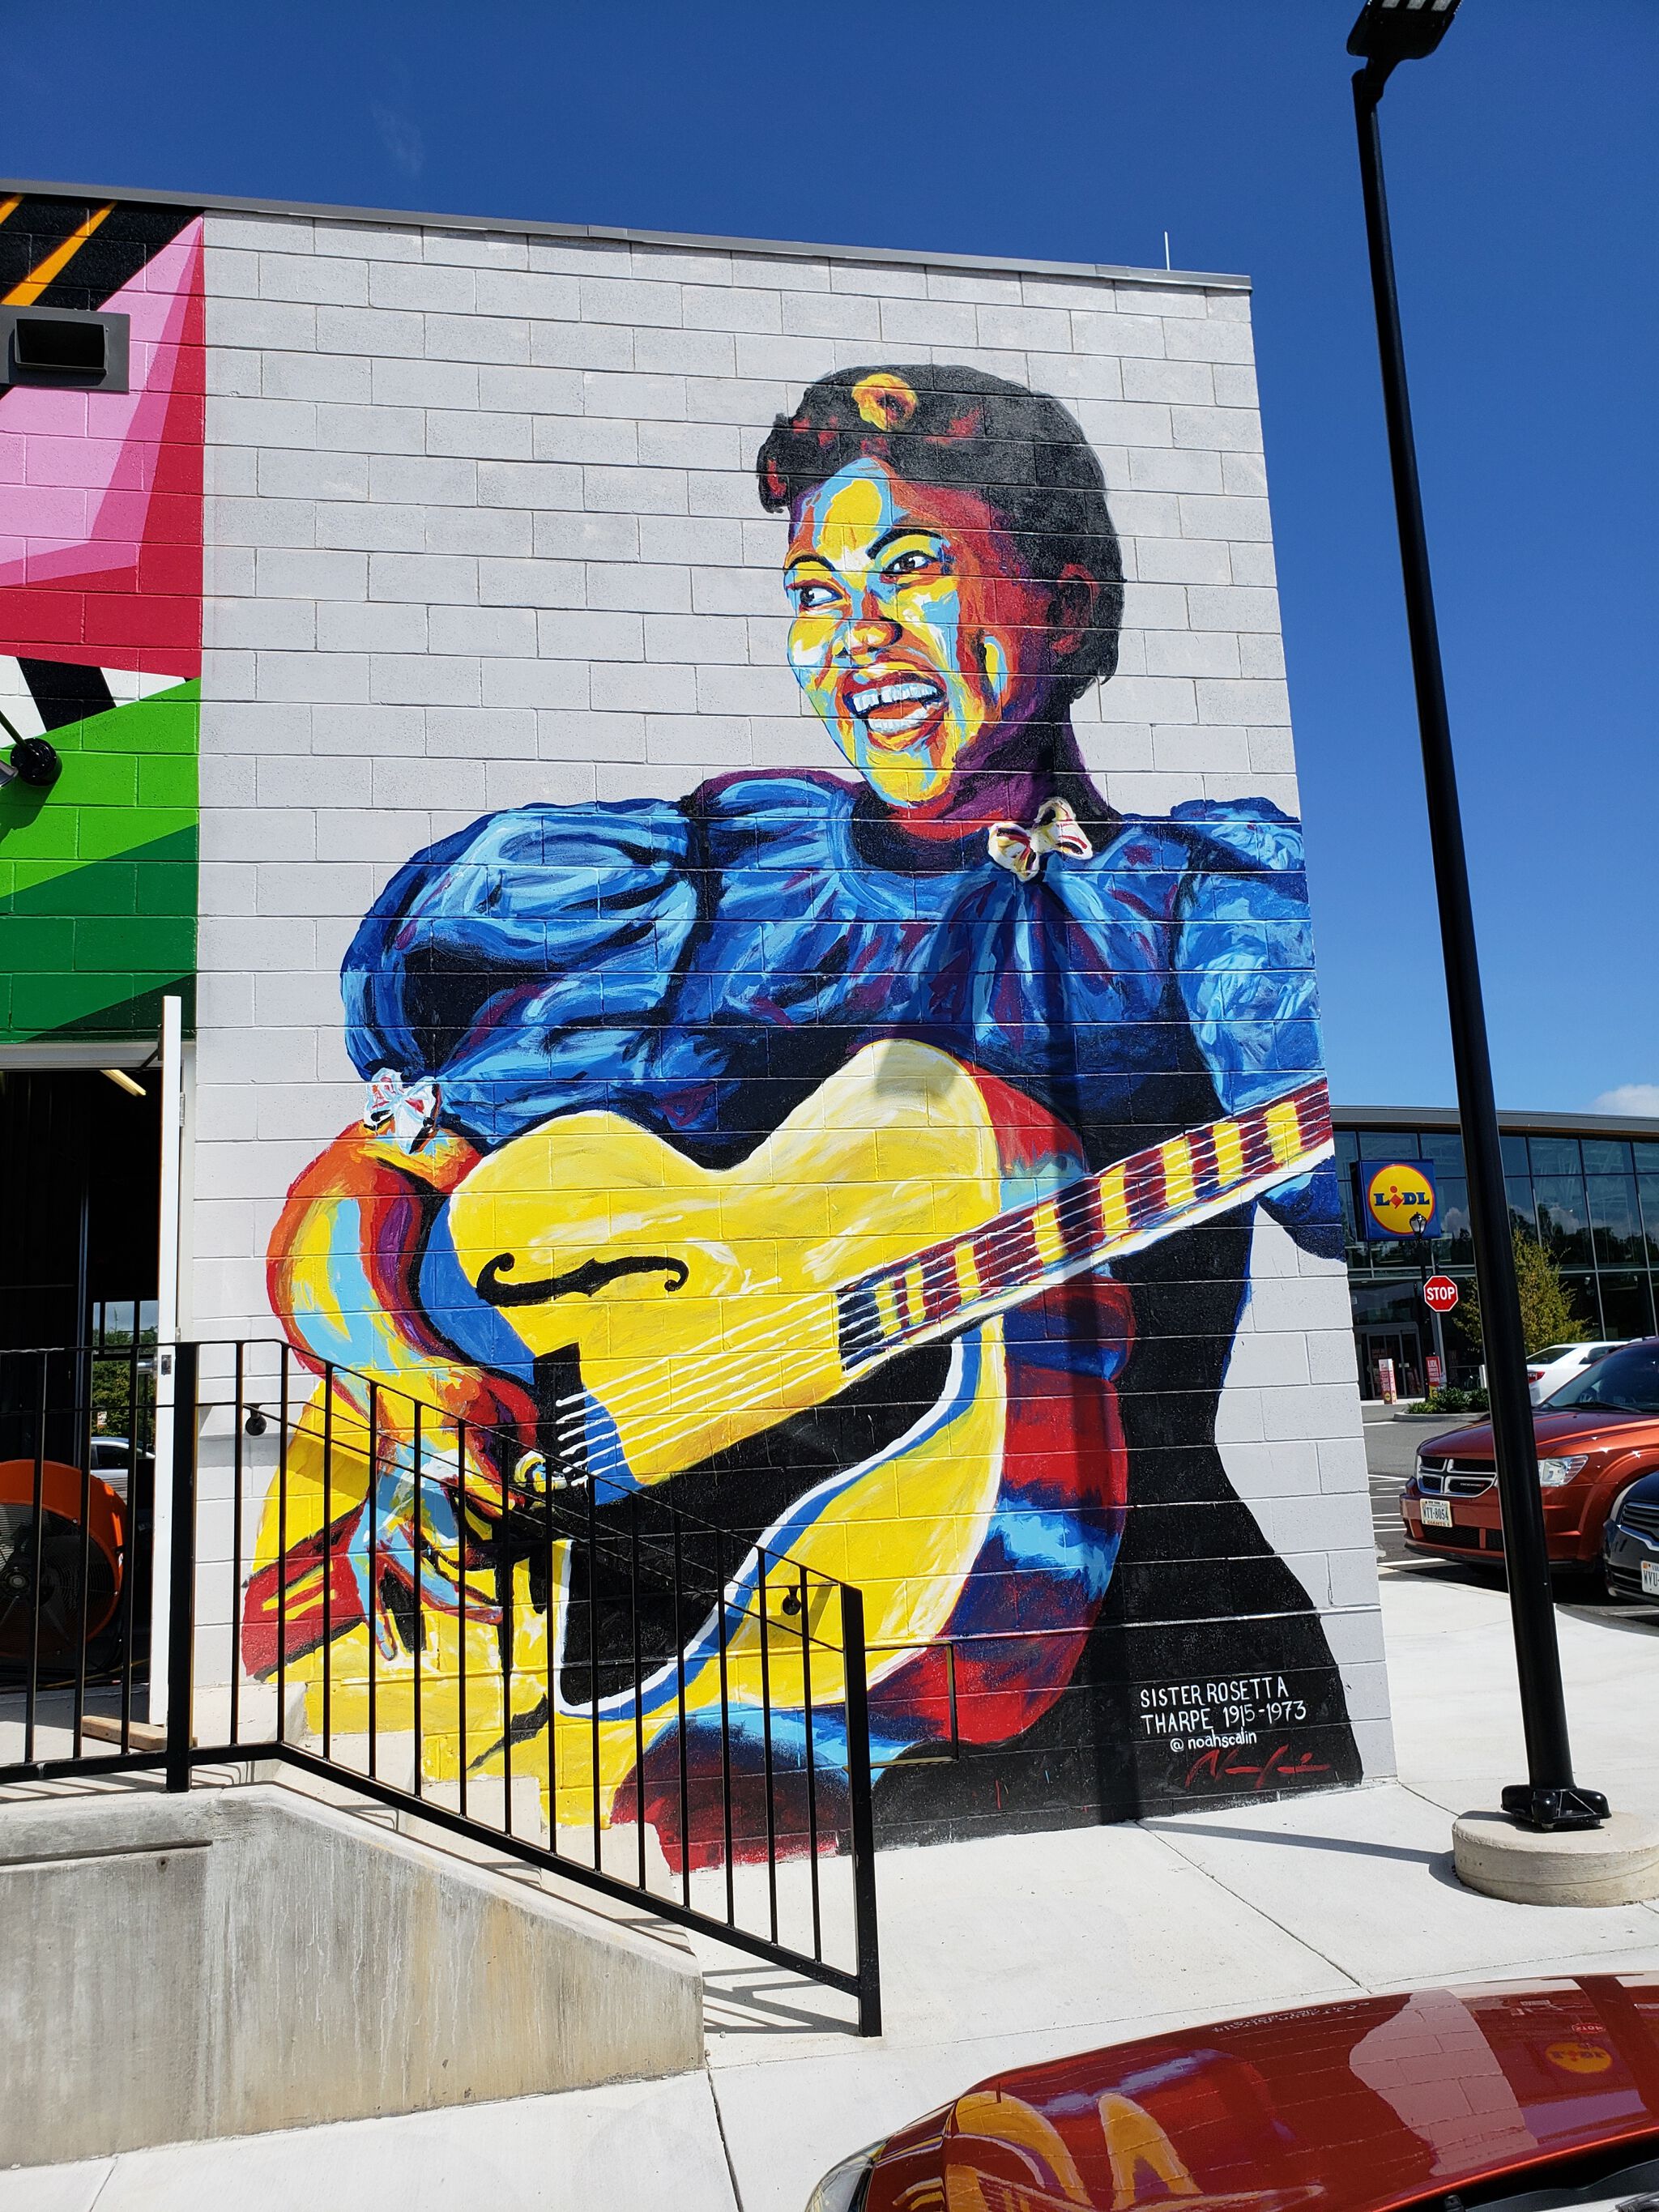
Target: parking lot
column 1391, row 1449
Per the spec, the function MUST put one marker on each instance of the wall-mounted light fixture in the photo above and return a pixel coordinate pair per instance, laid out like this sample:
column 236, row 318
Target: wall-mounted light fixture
column 34, row 760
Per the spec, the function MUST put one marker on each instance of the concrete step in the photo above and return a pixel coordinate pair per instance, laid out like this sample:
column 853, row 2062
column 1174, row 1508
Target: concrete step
column 237, row 1959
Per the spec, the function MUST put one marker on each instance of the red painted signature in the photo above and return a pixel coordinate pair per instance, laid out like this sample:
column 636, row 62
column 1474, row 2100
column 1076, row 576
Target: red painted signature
column 1277, row 1767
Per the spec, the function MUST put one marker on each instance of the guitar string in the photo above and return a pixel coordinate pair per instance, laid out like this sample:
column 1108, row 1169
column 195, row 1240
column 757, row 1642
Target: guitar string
column 755, row 1336
column 744, row 1345
column 1251, row 1130
column 940, row 1255
column 613, row 1462
column 742, row 1350
column 685, row 1408
column 991, row 1241
column 739, row 1351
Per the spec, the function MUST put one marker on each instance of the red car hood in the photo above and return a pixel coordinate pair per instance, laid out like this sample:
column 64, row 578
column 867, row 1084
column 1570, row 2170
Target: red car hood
column 1353, row 2107
column 1556, row 1432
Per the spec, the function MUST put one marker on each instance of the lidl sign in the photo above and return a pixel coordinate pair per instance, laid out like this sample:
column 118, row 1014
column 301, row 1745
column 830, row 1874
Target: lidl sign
column 1397, row 1198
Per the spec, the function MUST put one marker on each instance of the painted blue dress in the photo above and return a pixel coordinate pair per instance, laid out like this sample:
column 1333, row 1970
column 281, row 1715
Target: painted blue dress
column 702, row 966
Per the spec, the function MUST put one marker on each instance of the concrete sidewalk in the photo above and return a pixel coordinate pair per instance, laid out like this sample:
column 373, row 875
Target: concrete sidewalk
column 1026, row 1948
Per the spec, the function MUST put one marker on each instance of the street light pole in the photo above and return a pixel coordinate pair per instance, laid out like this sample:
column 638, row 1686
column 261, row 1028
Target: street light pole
column 1549, row 1798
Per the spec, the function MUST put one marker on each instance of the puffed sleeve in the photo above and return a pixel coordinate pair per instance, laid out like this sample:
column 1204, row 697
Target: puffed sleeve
column 519, row 962
column 1244, row 967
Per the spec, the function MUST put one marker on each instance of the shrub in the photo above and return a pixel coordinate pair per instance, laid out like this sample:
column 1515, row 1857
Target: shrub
column 1452, row 1401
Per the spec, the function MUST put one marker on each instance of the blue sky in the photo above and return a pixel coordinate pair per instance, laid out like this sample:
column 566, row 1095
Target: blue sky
column 1523, row 169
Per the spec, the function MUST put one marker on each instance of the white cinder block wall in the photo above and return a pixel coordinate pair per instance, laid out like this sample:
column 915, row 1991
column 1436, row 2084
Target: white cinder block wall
column 482, row 529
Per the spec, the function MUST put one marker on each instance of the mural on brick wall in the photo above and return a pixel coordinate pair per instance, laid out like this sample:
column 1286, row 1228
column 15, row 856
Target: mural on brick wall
column 101, row 621
column 867, row 1162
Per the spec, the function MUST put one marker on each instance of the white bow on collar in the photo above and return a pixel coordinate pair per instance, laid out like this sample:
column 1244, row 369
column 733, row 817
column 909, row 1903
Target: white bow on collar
column 406, row 1112
column 1023, row 851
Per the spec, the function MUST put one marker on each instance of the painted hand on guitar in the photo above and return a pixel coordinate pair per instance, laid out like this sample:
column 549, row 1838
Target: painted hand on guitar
column 400, row 1404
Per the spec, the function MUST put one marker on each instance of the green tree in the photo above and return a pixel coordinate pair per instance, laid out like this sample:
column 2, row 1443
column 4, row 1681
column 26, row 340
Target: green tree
column 1546, row 1313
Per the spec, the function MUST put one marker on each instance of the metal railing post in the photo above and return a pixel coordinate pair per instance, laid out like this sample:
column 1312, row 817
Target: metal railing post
column 181, row 1587
column 860, row 1789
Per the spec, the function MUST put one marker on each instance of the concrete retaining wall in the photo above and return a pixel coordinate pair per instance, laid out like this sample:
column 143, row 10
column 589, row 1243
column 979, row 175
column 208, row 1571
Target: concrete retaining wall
column 242, row 1960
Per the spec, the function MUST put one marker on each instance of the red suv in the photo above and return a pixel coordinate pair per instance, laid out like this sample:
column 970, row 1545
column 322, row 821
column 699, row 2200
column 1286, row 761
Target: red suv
column 1596, row 1436
column 1510, row 2100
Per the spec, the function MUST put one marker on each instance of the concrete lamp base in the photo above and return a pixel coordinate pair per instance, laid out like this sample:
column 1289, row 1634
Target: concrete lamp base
column 1616, row 1864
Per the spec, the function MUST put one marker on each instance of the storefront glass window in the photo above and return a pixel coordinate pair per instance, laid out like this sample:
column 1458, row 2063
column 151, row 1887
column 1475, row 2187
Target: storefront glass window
column 1441, row 1149
column 1614, row 1223
column 1387, row 1145
column 1455, row 1246
column 1379, row 1304
column 1607, row 1155
column 1626, row 1305
column 1649, row 1187
column 1564, row 1217
column 1349, row 1209
column 1554, row 1156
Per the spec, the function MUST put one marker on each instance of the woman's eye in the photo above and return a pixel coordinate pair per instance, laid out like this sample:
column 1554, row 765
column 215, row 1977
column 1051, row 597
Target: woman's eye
column 911, row 563
column 808, row 597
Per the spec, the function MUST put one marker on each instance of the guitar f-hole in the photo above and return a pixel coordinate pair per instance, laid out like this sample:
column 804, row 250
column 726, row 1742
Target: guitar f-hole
column 581, row 1282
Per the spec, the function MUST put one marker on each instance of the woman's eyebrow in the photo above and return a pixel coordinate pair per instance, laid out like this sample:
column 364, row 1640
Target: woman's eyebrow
column 907, row 530
column 888, row 536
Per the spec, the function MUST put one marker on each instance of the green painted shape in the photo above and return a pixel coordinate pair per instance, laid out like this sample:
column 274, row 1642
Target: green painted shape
column 98, row 877
column 137, row 1015
column 114, row 933
column 129, row 779
column 155, row 879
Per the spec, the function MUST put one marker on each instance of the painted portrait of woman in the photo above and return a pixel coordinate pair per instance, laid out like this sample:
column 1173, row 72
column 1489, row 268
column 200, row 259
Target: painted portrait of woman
column 932, row 992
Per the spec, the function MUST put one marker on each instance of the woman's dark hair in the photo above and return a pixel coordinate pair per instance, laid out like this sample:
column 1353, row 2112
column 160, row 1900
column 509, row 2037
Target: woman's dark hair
column 1022, row 451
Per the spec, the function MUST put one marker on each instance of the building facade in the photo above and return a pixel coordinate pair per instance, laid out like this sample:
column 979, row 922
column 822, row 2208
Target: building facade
column 749, row 945
column 1586, row 1186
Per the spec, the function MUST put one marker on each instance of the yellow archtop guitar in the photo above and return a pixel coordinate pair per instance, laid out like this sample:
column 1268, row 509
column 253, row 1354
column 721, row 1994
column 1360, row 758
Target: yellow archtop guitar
column 889, row 1210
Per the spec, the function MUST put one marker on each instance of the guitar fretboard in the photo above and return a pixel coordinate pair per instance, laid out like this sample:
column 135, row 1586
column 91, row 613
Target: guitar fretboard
column 1131, row 1204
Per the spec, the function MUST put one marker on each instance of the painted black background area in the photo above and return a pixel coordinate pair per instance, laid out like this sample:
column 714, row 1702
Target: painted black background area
column 1198, row 1594
column 128, row 237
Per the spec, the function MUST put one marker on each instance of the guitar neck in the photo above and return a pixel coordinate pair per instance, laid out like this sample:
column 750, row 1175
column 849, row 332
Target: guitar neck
column 1133, row 1203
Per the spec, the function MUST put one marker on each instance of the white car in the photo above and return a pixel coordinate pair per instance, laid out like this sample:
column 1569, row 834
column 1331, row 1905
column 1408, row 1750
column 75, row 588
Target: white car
column 1546, row 1370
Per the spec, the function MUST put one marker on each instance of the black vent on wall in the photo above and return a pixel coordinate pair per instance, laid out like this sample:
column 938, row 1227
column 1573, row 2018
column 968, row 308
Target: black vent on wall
column 67, row 347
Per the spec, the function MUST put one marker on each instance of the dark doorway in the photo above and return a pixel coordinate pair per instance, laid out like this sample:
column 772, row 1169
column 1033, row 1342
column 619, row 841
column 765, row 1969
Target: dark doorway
column 80, row 1199
column 1404, row 1347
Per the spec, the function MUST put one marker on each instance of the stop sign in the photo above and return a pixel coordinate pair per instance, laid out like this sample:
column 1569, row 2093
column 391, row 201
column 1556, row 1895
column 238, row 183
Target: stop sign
column 1440, row 1293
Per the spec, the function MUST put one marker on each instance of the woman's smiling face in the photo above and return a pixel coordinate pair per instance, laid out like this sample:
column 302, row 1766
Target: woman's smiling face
column 918, row 634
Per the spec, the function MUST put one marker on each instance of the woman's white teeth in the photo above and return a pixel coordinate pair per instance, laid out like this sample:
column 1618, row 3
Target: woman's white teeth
column 890, row 694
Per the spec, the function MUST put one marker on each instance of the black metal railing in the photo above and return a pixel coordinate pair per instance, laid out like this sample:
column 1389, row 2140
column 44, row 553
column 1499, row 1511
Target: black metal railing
column 389, row 1594
column 77, row 1432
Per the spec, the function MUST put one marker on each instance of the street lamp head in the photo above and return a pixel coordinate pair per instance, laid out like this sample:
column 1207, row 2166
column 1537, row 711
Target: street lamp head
column 1390, row 31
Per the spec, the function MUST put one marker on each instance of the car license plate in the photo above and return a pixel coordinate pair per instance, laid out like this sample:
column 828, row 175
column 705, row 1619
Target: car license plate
column 1437, row 1513
column 1650, row 1579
